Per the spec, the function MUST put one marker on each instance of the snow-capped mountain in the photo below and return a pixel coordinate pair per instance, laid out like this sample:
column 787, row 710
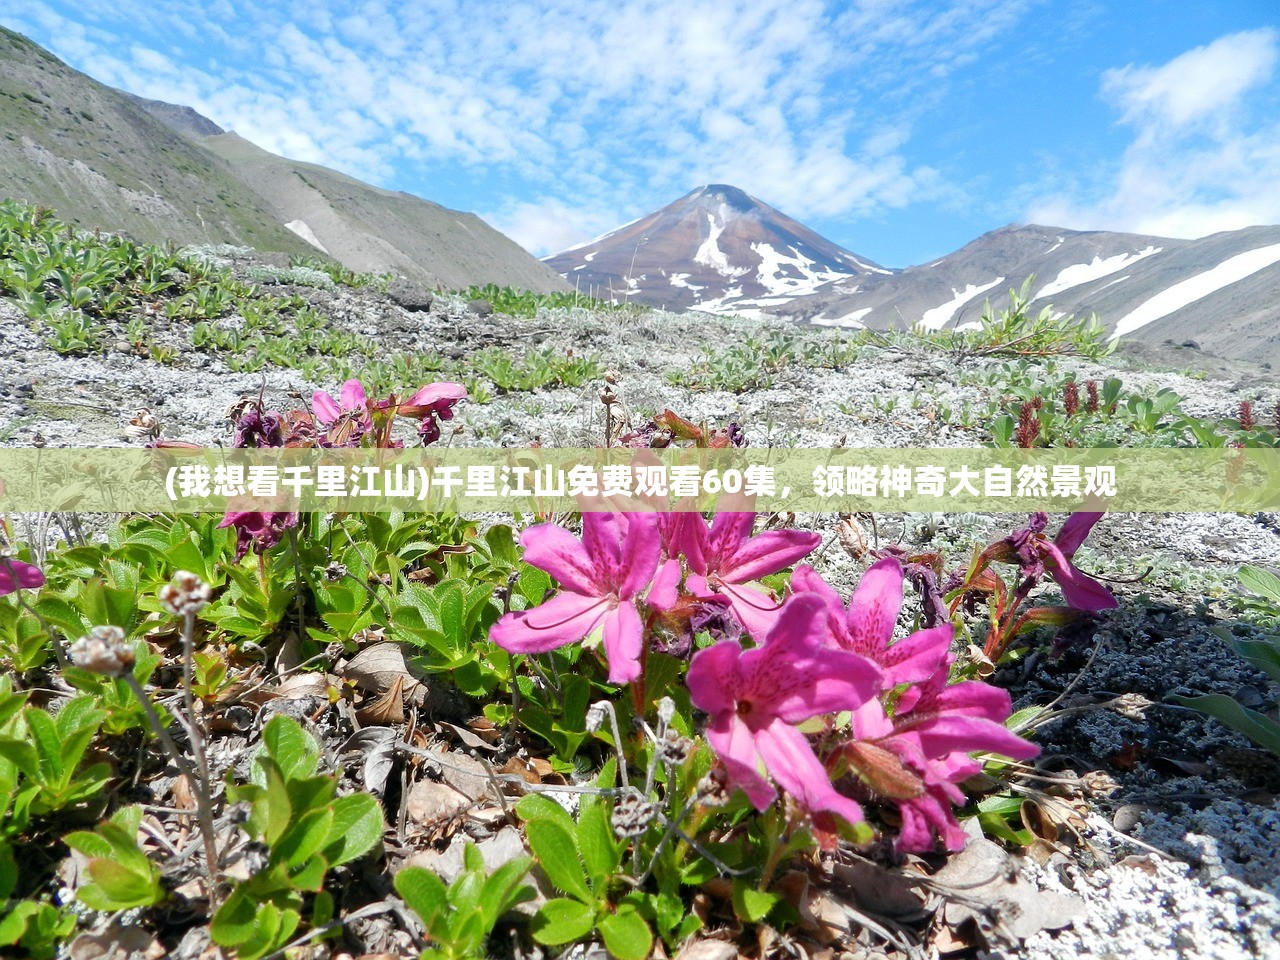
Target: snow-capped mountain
column 720, row 250
column 1221, row 291
column 715, row 249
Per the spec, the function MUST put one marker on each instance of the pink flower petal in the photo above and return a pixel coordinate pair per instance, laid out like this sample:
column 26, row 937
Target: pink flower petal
column 565, row 618
column 754, row 609
column 952, row 734
column 325, row 407
column 735, row 745
column 1074, row 531
column 768, row 553
column 555, row 550
column 434, row 393
column 664, row 591
column 791, row 761
column 640, row 550
column 1080, row 591
column 918, row 657
column 713, row 679
column 873, row 609
column 16, row 575
column 353, row 397
column 623, row 640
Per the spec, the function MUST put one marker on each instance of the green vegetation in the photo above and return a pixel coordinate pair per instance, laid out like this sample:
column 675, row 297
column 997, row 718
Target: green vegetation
column 525, row 303
column 74, row 285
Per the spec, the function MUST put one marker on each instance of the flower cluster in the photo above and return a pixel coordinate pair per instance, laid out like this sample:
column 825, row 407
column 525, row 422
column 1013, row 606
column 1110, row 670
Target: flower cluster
column 882, row 720
column 350, row 420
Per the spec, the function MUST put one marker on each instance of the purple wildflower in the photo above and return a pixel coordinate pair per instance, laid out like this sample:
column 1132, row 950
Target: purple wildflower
column 724, row 557
column 866, row 627
column 918, row 757
column 601, row 577
column 261, row 530
column 755, row 698
column 16, row 575
column 430, row 405
column 1037, row 556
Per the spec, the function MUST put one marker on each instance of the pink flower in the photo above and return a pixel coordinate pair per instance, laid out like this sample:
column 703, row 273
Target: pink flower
column 352, row 400
column 431, row 404
column 756, row 697
column 16, row 575
column 1037, row 555
column 725, row 557
column 917, row 755
column 258, row 529
column 601, row 577
column 867, row 626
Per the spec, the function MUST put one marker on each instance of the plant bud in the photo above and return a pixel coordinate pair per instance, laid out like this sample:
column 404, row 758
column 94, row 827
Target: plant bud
column 103, row 651
column 187, row 594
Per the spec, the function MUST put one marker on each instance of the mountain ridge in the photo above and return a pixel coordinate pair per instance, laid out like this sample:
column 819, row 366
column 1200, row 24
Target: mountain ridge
column 103, row 158
column 1220, row 292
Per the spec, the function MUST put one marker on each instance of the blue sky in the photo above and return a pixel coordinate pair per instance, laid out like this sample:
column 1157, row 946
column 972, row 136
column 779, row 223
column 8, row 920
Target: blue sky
column 899, row 129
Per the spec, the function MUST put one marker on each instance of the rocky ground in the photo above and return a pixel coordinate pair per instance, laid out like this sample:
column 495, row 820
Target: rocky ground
column 1164, row 830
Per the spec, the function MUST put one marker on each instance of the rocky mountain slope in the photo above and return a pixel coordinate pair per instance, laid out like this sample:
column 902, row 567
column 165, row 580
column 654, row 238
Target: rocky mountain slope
column 721, row 251
column 103, row 158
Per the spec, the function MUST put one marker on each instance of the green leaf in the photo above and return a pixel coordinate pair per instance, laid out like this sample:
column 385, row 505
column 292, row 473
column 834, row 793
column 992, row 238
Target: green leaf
column 1260, row 581
column 562, row 921
column 425, row 894
column 311, row 876
column 601, row 852
column 304, row 838
column 626, row 935
column 504, row 889
column 1259, row 728
column 752, row 905
column 48, row 742
column 116, row 887
column 291, row 747
column 357, row 828
column 557, row 853
column 537, row 806
column 22, row 755
column 236, row 920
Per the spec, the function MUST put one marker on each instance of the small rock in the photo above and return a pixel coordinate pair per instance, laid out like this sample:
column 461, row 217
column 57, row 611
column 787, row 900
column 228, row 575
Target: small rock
column 409, row 295
column 480, row 307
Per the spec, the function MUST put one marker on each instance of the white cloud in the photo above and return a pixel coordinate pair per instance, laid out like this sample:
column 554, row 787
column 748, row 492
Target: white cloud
column 1205, row 148
column 547, row 226
column 1197, row 84
column 589, row 107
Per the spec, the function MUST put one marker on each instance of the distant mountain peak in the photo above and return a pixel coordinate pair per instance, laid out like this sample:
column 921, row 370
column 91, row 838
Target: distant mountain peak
column 731, row 196
column 718, row 249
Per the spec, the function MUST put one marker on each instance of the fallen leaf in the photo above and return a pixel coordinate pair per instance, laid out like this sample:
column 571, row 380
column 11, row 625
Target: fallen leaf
column 878, row 891
column 707, row 950
column 378, row 746
column 982, row 882
column 386, row 707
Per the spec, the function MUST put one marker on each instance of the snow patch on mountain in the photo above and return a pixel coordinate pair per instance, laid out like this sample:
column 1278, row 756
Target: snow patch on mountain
column 1076, row 274
column 682, row 280
column 1229, row 271
column 940, row 316
column 710, row 255
column 777, row 272
column 306, row 233
column 594, row 240
column 852, row 319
